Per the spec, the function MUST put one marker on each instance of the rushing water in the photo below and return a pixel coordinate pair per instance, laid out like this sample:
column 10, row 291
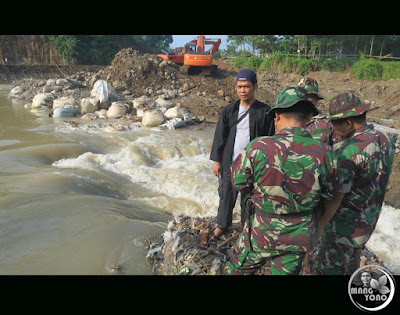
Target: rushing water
column 76, row 199
column 80, row 200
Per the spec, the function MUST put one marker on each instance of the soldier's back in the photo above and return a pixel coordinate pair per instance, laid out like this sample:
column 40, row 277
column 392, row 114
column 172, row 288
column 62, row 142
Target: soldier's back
column 297, row 171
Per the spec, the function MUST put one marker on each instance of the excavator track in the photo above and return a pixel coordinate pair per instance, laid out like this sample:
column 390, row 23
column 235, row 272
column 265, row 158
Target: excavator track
column 196, row 70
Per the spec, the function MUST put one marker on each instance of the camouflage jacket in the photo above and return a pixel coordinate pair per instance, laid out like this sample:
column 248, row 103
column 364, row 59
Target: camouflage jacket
column 288, row 172
column 321, row 129
column 366, row 161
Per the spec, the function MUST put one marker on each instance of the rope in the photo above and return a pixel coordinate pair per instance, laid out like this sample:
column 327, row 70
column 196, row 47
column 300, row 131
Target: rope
column 61, row 71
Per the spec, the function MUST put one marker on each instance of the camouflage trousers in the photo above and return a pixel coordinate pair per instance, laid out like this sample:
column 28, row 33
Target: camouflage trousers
column 284, row 241
column 338, row 254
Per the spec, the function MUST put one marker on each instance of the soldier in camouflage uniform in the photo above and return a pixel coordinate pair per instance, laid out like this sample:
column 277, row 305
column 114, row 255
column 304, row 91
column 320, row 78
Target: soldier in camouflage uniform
column 287, row 174
column 365, row 158
column 319, row 126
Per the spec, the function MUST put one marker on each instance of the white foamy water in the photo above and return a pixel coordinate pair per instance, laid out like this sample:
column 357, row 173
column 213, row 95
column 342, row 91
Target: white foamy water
column 170, row 170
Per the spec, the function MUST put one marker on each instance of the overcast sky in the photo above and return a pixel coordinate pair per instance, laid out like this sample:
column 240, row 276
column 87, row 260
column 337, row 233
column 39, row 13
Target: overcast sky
column 181, row 40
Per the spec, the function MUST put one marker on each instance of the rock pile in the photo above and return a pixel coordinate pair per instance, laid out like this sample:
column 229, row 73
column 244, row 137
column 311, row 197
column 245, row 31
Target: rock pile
column 130, row 78
column 87, row 96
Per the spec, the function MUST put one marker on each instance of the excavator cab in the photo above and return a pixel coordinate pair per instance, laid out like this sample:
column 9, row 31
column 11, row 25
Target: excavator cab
column 190, row 47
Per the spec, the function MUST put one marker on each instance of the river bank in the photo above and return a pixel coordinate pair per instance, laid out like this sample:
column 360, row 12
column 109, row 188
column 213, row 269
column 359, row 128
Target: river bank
column 114, row 188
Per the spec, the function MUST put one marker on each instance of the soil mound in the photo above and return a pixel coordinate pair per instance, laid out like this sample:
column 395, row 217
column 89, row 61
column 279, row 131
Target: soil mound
column 139, row 72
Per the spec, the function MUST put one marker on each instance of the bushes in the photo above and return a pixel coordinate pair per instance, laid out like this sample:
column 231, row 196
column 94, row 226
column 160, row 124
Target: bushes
column 391, row 70
column 304, row 67
column 334, row 65
column 239, row 62
column 279, row 62
column 366, row 69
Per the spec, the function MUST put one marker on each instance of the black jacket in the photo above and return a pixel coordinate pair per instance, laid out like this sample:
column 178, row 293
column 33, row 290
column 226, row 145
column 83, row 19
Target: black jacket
column 224, row 138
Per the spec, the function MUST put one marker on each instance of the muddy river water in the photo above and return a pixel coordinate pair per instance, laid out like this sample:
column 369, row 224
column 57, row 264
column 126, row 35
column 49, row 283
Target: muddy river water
column 76, row 199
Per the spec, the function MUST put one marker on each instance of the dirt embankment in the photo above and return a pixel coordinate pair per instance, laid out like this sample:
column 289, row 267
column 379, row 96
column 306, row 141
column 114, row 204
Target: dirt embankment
column 11, row 73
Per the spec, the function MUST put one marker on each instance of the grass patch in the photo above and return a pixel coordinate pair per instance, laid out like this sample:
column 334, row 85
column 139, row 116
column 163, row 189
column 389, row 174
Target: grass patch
column 364, row 69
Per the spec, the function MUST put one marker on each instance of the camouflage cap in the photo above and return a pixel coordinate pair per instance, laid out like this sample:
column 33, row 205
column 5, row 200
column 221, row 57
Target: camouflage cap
column 290, row 96
column 346, row 104
column 311, row 85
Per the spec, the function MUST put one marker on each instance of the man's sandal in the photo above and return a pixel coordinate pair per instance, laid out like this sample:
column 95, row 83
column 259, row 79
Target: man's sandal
column 212, row 236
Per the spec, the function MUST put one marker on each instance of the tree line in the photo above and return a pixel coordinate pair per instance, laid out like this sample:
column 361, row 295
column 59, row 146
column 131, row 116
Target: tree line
column 101, row 49
column 318, row 46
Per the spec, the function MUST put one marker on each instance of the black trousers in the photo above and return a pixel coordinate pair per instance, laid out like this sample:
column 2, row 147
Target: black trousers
column 227, row 200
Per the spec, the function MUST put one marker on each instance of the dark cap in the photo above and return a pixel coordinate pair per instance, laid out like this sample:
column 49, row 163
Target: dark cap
column 246, row 75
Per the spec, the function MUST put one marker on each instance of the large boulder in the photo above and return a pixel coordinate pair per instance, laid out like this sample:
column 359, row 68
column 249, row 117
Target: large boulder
column 152, row 118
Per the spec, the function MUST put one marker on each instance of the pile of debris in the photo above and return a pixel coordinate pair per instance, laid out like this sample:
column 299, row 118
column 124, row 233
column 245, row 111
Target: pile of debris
column 141, row 74
column 185, row 249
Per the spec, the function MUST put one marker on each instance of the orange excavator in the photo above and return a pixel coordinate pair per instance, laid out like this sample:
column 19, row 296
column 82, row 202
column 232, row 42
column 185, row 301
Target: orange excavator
column 193, row 58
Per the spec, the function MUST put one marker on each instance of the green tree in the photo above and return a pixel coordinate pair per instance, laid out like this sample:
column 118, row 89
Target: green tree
column 101, row 49
column 65, row 45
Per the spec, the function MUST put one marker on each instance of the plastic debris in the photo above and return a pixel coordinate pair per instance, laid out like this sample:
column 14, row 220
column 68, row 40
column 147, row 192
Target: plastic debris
column 187, row 250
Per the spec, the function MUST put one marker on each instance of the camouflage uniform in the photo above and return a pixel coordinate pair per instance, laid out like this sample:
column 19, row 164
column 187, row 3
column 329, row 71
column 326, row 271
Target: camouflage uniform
column 287, row 174
column 319, row 127
column 366, row 160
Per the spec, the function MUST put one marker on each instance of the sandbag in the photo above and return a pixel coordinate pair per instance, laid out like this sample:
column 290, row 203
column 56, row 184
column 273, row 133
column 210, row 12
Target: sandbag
column 64, row 101
column 65, row 111
column 102, row 90
column 162, row 103
column 89, row 105
column 152, row 118
column 116, row 110
column 174, row 112
column 42, row 99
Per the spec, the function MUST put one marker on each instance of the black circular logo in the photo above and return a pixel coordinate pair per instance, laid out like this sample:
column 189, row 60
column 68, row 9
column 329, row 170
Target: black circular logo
column 371, row 288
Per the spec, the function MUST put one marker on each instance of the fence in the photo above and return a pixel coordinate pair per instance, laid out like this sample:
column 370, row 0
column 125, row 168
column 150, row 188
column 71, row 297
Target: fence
column 337, row 56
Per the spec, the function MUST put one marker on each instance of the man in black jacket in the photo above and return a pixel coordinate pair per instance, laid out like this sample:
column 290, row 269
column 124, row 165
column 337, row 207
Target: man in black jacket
column 239, row 123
